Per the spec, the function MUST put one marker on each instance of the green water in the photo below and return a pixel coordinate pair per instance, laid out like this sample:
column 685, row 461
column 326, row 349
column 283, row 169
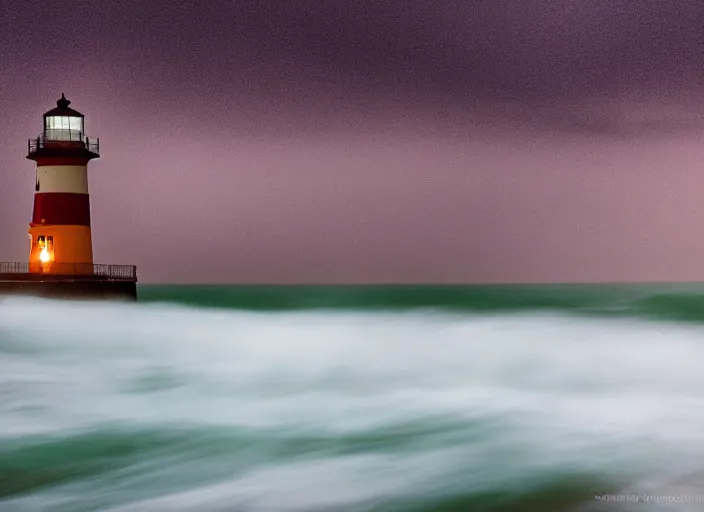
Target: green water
column 677, row 301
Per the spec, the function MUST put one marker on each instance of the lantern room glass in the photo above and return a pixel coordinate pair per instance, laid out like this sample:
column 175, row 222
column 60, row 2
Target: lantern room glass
column 68, row 128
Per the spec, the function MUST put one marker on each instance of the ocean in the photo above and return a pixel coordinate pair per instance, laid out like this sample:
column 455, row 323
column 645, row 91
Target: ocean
column 355, row 398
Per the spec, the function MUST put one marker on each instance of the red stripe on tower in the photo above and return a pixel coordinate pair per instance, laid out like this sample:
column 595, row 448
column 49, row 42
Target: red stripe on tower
column 61, row 209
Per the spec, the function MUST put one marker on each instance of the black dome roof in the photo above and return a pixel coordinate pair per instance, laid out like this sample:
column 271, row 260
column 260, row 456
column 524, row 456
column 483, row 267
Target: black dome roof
column 62, row 109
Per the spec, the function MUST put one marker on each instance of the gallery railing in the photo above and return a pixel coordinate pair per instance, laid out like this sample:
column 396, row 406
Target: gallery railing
column 69, row 270
column 55, row 139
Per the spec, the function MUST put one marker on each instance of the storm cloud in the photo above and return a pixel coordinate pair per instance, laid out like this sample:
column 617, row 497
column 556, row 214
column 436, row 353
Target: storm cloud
column 365, row 141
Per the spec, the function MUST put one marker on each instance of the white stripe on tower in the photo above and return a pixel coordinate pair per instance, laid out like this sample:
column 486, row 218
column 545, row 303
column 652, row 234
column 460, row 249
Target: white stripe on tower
column 62, row 179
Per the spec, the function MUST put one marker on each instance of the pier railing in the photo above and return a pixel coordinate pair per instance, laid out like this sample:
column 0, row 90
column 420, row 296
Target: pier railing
column 15, row 269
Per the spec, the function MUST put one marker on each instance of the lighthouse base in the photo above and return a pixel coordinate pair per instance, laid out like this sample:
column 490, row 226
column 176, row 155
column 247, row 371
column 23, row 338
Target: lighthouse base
column 81, row 290
column 70, row 281
column 71, row 289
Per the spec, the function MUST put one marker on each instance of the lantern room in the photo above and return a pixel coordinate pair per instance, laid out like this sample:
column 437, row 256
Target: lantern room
column 64, row 131
column 63, row 123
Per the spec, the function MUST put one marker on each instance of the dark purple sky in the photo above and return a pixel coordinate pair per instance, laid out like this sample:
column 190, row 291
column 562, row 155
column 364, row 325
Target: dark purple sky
column 337, row 141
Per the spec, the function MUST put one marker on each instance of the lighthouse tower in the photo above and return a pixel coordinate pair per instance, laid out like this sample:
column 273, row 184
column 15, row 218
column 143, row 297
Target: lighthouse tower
column 61, row 247
column 60, row 234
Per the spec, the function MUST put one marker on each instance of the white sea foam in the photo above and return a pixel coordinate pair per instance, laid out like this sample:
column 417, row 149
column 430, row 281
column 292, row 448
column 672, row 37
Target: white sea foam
column 502, row 400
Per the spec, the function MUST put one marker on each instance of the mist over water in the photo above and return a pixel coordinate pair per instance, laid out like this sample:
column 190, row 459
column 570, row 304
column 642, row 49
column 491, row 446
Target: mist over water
column 162, row 407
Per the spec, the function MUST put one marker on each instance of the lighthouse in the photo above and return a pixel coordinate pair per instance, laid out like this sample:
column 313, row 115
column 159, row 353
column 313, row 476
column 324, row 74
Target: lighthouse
column 59, row 232
column 60, row 262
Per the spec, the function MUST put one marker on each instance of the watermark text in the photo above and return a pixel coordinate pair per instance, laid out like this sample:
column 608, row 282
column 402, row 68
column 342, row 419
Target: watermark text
column 651, row 498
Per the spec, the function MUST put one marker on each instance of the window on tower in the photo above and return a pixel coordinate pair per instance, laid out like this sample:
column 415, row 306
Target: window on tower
column 45, row 248
column 68, row 128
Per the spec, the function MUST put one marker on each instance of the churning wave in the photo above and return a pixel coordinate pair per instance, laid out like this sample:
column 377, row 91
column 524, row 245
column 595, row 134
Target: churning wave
column 157, row 407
